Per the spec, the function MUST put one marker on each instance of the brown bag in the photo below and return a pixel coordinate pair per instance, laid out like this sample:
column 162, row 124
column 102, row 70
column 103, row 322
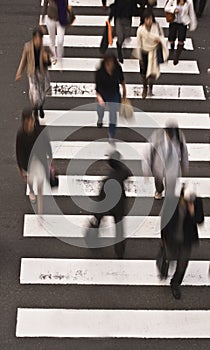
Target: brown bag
column 170, row 17
column 110, row 37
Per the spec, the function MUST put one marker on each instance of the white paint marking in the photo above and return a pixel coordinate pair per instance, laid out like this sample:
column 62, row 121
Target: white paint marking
column 94, row 41
column 141, row 119
column 130, row 65
column 96, row 3
column 99, row 21
column 98, row 150
column 86, row 323
column 135, row 186
column 171, row 92
column 74, row 226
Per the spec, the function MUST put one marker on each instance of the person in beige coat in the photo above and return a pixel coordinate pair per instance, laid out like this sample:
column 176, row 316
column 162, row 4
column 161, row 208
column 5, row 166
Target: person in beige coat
column 149, row 37
column 184, row 17
column 36, row 58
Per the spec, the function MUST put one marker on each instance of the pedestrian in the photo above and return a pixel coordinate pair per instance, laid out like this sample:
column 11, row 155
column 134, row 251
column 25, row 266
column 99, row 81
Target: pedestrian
column 56, row 11
column 149, row 38
column 122, row 11
column 181, row 233
column 112, row 201
column 107, row 78
column 167, row 158
column 34, row 154
column 199, row 6
column 184, row 17
column 36, row 58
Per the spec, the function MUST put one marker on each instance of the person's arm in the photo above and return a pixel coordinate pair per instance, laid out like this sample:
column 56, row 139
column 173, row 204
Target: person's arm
column 184, row 155
column 124, row 89
column 22, row 64
column 98, row 95
column 122, row 80
column 44, row 8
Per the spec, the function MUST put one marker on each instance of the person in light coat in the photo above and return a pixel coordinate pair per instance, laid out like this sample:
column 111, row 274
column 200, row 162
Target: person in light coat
column 149, row 36
column 184, row 17
column 167, row 158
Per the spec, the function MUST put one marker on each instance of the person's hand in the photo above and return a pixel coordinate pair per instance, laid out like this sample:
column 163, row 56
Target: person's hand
column 18, row 77
column 100, row 101
column 157, row 41
column 176, row 10
column 23, row 174
column 141, row 63
column 191, row 208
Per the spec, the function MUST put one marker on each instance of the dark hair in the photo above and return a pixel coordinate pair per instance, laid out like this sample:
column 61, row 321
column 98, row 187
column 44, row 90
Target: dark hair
column 109, row 56
column 27, row 113
column 146, row 14
column 37, row 31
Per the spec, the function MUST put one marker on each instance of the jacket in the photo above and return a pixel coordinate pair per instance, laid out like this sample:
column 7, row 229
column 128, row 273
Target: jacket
column 188, row 16
column 190, row 223
column 50, row 8
column 28, row 59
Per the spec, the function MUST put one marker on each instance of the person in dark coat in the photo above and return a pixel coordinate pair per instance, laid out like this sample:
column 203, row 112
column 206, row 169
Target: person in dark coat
column 33, row 154
column 107, row 78
column 180, row 233
column 111, row 200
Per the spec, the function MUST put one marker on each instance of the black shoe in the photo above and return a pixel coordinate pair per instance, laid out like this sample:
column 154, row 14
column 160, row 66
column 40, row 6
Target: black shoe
column 176, row 292
column 41, row 113
column 99, row 125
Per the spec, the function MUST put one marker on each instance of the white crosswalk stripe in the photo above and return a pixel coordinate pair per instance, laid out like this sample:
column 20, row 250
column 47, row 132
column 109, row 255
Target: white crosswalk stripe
column 113, row 323
column 47, row 271
column 129, row 65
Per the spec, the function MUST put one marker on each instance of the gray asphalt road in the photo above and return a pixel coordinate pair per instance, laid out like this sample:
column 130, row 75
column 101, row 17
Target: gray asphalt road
column 17, row 20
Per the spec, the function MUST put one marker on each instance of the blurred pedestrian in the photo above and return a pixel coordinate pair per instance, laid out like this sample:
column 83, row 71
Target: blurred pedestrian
column 181, row 233
column 36, row 58
column 185, row 17
column 149, row 38
column 108, row 77
column 112, row 201
column 56, row 11
column 199, row 6
column 34, row 154
column 167, row 158
column 123, row 11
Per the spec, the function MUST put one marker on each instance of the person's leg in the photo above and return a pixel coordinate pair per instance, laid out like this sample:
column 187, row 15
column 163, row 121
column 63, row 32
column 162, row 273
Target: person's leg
column 119, row 246
column 150, row 81
column 51, row 27
column 100, row 112
column 120, row 39
column 113, row 109
column 60, row 40
column 104, row 3
column 159, row 188
column 143, row 72
column 202, row 4
column 182, row 32
column 181, row 266
column 172, row 35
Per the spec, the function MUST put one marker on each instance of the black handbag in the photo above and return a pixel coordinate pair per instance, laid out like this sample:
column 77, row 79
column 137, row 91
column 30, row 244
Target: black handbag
column 70, row 16
column 160, row 54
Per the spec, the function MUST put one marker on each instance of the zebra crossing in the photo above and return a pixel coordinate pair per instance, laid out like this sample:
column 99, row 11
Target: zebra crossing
column 168, row 322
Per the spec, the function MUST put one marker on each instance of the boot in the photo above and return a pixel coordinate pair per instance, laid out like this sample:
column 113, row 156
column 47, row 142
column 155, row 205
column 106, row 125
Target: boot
column 171, row 51
column 177, row 54
column 41, row 112
column 144, row 92
column 150, row 82
column 119, row 52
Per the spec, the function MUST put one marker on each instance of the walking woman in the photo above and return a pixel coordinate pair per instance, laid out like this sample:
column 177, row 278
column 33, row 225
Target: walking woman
column 149, row 37
column 56, row 10
column 184, row 16
column 36, row 58
column 108, row 77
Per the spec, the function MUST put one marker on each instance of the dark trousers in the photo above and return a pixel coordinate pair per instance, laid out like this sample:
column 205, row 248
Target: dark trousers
column 184, row 253
column 199, row 6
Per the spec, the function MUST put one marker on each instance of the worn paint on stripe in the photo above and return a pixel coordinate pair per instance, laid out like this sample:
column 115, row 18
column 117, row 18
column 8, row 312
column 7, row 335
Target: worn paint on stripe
column 86, row 323
column 135, row 186
column 171, row 92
